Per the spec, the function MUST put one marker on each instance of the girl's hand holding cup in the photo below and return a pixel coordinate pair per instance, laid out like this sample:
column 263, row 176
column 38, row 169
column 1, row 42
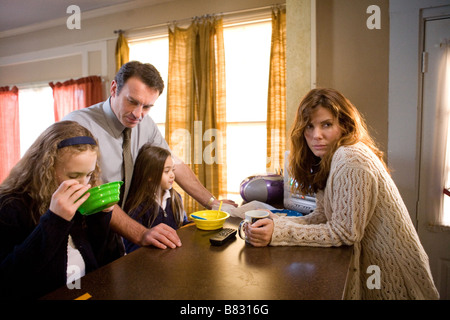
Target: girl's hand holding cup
column 66, row 199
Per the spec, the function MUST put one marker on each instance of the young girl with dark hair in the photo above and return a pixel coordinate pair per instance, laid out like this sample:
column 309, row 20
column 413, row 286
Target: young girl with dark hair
column 152, row 199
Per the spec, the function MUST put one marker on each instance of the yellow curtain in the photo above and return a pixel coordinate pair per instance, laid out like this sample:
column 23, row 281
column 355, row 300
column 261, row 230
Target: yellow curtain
column 196, row 118
column 122, row 51
column 276, row 104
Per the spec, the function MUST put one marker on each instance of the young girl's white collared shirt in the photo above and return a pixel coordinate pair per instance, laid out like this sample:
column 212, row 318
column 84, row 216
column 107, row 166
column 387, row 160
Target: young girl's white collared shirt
column 74, row 258
column 166, row 196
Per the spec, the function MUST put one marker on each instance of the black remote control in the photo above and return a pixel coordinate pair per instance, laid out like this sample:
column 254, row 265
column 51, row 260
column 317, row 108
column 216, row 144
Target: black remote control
column 223, row 236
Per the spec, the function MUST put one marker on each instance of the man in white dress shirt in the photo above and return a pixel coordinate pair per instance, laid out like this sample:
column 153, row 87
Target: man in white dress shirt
column 133, row 93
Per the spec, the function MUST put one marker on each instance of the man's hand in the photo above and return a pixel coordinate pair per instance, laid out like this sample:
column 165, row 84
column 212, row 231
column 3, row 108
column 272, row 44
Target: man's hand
column 216, row 203
column 189, row 182
column 161, row 236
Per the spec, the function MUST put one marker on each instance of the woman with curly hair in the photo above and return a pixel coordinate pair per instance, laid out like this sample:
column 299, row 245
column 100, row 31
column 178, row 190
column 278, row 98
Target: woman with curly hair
column 358, row 204
column 44, row 242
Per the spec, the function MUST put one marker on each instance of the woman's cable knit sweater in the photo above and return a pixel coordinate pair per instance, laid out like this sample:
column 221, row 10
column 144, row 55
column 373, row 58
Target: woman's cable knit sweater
column 361, row 206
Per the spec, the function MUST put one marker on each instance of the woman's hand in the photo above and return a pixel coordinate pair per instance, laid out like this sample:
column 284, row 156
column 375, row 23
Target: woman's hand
column 259, row 234
column 64, row 200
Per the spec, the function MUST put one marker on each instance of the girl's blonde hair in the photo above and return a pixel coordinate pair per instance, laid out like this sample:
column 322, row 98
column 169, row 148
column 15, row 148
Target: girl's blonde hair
column 34, row 175
column 310, row 172
column 146, row 184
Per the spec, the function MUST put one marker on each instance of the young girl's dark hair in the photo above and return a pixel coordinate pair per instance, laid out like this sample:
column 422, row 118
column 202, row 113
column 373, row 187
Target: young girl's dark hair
column 146, row 184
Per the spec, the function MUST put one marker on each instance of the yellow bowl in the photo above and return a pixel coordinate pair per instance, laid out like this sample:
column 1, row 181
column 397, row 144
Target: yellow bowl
column 214, row 219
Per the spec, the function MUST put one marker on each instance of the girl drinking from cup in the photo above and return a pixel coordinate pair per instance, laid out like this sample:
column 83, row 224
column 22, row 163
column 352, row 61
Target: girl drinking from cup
column 44, row 242
column 151, row 199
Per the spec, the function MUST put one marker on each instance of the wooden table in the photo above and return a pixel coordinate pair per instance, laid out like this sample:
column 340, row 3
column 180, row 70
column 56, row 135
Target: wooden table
column 234, row 271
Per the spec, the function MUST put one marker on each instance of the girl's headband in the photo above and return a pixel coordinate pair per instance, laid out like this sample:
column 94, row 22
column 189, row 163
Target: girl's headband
column 76, row 140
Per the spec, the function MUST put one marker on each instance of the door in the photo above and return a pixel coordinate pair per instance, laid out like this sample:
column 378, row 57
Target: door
column 436, row 240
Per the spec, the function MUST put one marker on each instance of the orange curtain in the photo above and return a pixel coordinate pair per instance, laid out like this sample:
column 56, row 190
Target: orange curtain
column 122, row 51
column 276, row 104
column 76, row 94
column 9, row 130
column 196, row 114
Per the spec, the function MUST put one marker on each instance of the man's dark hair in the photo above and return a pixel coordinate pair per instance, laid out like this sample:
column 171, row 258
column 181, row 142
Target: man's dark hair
column 144, row 71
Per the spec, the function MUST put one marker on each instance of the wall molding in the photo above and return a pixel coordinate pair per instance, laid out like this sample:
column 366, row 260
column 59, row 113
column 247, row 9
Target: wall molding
column 61, row 52
column 130, row 5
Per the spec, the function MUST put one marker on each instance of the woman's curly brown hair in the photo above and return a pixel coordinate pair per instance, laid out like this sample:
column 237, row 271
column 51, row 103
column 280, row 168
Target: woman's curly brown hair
column 311, row 172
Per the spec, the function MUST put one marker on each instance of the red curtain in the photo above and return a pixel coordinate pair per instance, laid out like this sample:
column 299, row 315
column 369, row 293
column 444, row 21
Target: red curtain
column 76, row 94
column 9, row 130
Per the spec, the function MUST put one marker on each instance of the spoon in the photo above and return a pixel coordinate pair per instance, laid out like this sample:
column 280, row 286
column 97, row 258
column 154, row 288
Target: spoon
column 220, row 207
column 197, row 217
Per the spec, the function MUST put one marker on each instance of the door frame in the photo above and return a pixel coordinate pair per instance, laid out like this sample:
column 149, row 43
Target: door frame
column 434, row 239
column 426, row 15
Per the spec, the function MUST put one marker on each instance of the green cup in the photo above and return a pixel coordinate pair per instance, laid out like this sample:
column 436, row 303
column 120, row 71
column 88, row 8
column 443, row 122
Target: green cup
column 101, row 197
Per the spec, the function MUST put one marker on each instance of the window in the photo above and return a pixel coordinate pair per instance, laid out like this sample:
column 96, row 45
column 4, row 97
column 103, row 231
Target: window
column 247, row 59
column 36, row 113
column 155, row 51
column 446, row 104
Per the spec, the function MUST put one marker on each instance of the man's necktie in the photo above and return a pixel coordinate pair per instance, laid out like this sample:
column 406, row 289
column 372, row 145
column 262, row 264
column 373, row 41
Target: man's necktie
column 127, row 163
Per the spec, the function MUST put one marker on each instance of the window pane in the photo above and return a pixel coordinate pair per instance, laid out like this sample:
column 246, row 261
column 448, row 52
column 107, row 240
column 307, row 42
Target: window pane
column 156, row 52
column 446, row 102
column 446, row 202
column 247, row 59
column 162, row 129
column 246, row 153
column 36, row 113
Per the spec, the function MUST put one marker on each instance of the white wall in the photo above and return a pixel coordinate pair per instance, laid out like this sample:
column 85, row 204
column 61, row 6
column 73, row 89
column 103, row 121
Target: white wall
column 404, row 96
column 354, row 59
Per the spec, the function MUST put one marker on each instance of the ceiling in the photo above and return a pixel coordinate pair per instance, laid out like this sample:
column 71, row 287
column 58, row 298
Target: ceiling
column 16, row 14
